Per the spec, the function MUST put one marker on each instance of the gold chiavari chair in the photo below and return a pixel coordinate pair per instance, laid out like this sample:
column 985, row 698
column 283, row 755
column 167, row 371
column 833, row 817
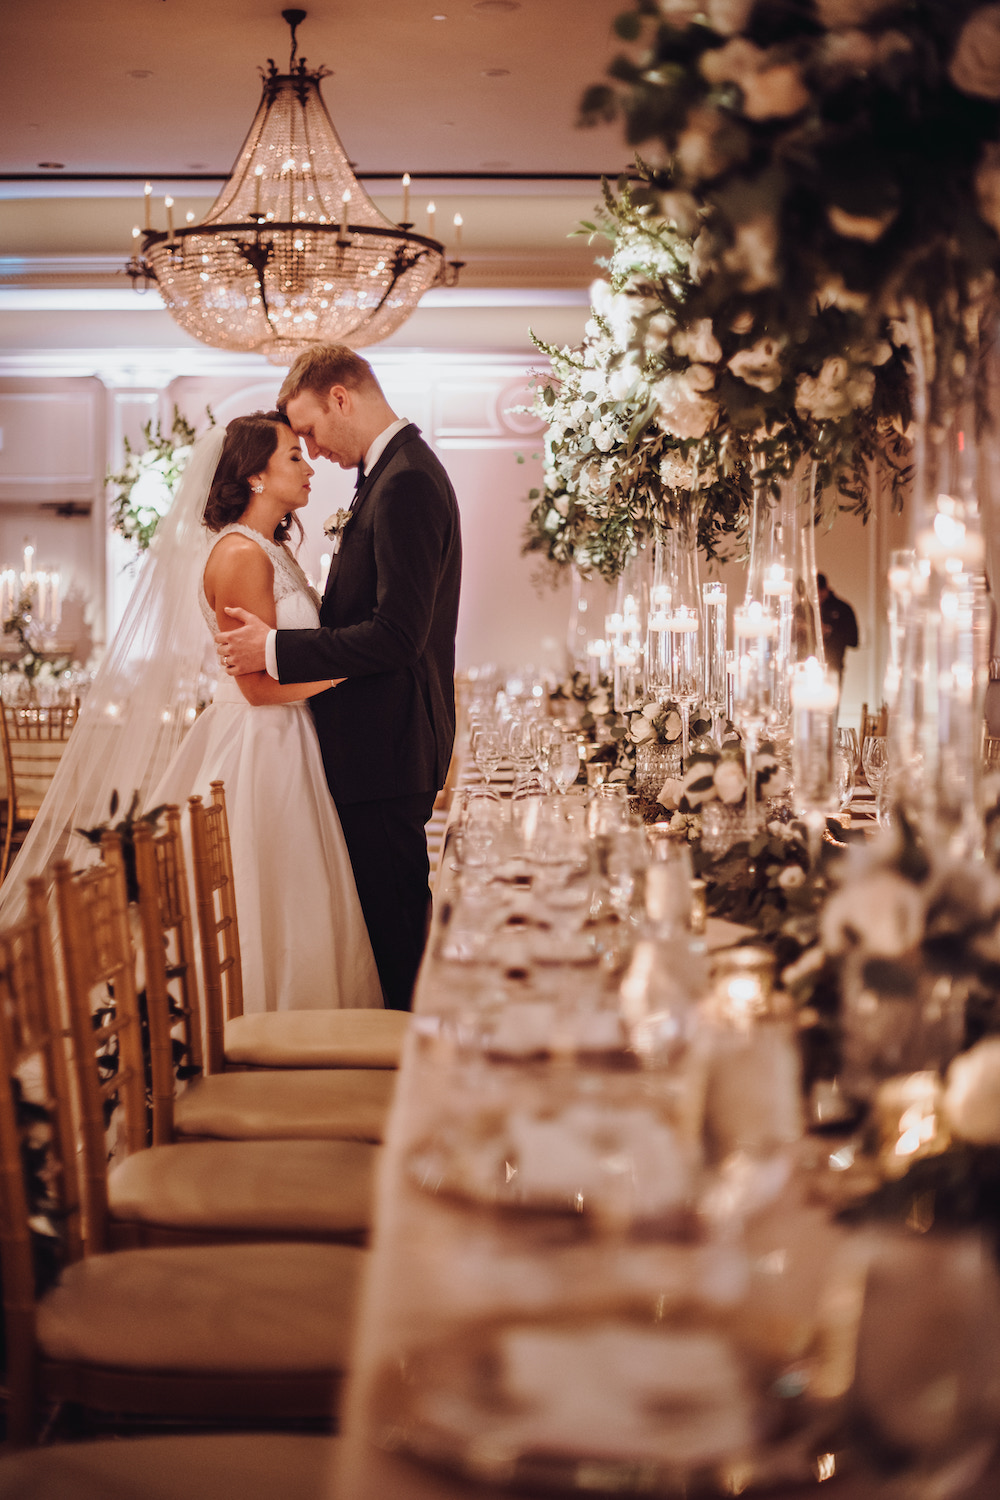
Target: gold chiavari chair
column 258, row 1331
column 210, row 1191
column 33, row 741
column 258, row 1104
column 342, row 1038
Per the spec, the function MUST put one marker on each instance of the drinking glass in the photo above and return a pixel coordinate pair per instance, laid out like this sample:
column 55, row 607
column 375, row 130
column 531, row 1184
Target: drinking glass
column 845, row 770
column 847, row 740
column 875, row 759
column 564, row 761
column 487, row 752
column 520, row 746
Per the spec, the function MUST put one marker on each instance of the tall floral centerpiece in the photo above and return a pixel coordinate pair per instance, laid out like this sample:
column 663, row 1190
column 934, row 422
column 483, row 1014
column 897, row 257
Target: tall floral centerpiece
column 144, row 488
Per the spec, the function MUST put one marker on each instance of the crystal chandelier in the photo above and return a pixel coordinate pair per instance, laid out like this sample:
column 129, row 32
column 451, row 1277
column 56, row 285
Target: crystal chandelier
column 293, row 252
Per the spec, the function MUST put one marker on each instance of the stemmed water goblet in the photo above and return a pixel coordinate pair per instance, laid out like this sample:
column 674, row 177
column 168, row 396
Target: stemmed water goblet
column 875, row 759
column 487, row 751
column 520, row 745
column 564, row 761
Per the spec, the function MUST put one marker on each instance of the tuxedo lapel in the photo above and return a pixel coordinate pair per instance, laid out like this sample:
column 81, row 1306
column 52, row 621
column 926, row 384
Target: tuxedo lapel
column 363, row 494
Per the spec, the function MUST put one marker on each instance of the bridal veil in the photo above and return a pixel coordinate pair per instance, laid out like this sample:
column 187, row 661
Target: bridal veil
column 145, row 695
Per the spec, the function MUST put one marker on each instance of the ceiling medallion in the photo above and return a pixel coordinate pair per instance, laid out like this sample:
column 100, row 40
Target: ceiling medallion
column 293, row 252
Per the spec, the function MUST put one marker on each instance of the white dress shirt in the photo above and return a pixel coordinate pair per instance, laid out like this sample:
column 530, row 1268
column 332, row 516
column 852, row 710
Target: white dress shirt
column 371, row 458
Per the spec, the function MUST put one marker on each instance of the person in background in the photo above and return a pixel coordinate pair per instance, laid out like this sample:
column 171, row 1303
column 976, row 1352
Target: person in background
column 840, row 625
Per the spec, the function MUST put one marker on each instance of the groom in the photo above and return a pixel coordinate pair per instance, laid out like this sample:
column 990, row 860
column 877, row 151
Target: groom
column 387, row 625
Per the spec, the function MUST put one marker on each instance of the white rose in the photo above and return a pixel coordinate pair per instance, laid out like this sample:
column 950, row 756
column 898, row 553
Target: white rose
column 670, row 794
column 770, row 89
column 975, row 64
column 972, row 1093
column 728, row 17
column 752, row 254
column 698, row 785
column 651, row 711
column 672, row 725
column 698, row 342
column 682, row 412
column 791, row 877
column 881, row 911
column 640, row 730
column 730, row 781
column 760, row 365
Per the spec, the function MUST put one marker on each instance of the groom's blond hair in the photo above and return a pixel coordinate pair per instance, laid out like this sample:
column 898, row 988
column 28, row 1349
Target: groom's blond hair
column 318, row 369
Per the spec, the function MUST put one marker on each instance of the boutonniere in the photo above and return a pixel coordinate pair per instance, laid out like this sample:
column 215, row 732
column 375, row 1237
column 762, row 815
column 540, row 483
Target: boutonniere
column 334, row 526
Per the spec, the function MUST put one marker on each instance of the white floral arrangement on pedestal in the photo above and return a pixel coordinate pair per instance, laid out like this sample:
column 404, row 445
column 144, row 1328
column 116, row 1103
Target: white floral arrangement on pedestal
column 146, row 485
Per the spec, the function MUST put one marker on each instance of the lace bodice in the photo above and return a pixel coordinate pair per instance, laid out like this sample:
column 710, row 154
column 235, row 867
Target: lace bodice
column 296, row 605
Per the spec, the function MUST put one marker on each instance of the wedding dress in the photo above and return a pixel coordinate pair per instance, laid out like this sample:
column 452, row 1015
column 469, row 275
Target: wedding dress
column 303, row 940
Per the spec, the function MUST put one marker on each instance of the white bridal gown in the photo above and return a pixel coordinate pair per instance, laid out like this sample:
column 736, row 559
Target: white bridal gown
column 303, row 940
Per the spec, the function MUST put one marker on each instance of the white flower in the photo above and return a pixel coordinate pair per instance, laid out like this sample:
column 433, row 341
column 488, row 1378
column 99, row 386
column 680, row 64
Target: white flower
column 975, row 64
column 698, row 785
column 730, row 781
column 670, row 794
column 771, row 89
column 728, row 17
column 640, row 730
column 698, row 342
column 866, row 227
column 881, row 911
column 672, row 726
column 682, row 410
column 791, row 877
column 760, row 365
column 835, row 391
column 752, row 254
column 972, row 1093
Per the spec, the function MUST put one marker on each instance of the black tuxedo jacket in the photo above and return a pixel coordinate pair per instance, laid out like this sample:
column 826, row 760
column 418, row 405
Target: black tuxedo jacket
column 387, row 624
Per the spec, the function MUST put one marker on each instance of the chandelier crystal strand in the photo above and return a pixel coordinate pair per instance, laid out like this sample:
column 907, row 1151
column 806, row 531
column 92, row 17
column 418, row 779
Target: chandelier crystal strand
column 274, row 267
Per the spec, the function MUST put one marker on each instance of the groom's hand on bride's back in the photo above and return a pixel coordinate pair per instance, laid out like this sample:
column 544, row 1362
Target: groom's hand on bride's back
column 241, row 650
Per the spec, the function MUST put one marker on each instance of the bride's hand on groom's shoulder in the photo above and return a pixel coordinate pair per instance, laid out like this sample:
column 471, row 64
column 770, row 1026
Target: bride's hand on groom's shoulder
column 242, row 649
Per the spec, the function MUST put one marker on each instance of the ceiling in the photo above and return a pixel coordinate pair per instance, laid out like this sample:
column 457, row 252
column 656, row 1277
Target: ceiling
column 476, row 99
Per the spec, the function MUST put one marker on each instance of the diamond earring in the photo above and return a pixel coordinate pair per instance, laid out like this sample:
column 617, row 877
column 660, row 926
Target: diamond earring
column 258, row 489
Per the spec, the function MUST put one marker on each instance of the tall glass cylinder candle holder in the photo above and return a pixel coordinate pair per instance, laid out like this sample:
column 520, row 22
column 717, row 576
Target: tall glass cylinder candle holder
column 685, row 667
column 814, row 695
column 755, row 636
column 658, row 639
column 713, row 605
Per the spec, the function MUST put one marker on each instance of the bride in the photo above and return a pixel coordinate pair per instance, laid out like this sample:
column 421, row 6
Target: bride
column 303, row 939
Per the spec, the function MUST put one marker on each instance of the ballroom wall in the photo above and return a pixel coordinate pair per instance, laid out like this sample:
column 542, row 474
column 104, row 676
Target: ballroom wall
column 64, row 415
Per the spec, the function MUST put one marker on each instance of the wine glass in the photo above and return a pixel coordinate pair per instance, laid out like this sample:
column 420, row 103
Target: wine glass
column 875, row 759
column 564, row 762
column 845, row 771
column 520, row 745
column 487, row 752
column 847, row 741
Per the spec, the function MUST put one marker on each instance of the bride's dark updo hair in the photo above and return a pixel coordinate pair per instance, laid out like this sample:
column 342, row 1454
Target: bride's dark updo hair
column 250, row 444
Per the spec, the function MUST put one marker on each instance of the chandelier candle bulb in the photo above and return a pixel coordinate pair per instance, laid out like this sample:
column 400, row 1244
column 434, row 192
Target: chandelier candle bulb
column 147, row 195
column 345, row 199
column 457, row 221
column 257, row 175
column 29, row 553
column 431, row 211
column 406, row 199
column 168, row 204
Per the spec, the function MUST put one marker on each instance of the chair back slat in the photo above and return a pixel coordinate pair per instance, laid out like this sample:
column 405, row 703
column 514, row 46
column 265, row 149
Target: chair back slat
column 218, row 929
column 37, row 1146
column 104, row 1020
column 165, row 915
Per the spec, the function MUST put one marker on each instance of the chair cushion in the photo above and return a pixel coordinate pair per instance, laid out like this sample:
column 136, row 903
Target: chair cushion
column 345, row 1104
column 292, row 1187
column 224, row 1466
column 317, row 1039
column 251, row 1309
